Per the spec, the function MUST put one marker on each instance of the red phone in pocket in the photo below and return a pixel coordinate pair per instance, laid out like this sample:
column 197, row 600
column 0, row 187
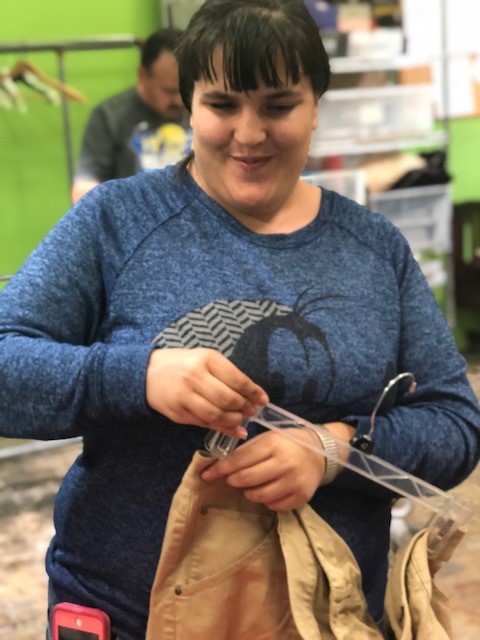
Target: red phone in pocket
column 75, row 622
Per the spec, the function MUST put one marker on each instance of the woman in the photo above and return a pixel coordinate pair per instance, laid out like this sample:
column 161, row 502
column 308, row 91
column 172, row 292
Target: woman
column 253, row 285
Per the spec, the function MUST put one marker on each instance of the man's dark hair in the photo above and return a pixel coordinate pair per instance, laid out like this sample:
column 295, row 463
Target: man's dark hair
column 156, row 43
column 253, row 36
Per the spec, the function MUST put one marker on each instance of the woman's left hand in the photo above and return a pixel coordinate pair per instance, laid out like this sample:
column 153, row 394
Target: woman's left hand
column 273, row 470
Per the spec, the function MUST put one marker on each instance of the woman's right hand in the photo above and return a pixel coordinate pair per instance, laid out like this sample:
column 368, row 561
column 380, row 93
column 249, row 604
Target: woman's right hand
column 201, row 387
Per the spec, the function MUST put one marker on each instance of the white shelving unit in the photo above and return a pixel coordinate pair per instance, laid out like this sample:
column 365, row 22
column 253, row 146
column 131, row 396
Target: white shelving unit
column 323, row 145
column 351, row 147
column 363, row 65
column 388, row 113
column 363, row 121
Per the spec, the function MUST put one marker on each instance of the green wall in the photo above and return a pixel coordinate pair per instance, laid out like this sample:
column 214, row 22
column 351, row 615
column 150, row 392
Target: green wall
column 34, row 190
column 464, row 159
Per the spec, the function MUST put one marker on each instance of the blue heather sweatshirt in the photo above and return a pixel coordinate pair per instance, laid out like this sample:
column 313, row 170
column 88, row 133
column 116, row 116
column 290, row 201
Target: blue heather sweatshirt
column 321, row 318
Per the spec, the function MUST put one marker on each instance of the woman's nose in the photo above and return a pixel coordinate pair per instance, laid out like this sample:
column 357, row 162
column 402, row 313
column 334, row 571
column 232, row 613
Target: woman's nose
column 250, row 128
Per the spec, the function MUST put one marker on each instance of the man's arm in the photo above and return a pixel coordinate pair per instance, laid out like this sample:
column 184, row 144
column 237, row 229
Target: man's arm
column 96, row 162
column 81, row 187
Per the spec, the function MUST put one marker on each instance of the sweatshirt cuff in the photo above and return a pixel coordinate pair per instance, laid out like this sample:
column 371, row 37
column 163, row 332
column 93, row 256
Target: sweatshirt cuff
column 349, row 479
column 122, row 379
column 360, row 423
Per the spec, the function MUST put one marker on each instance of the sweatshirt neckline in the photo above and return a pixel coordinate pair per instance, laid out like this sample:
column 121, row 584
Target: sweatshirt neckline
column 192, row 192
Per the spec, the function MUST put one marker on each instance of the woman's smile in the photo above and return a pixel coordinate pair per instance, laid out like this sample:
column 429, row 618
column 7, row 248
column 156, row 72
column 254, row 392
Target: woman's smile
column 250, row 147
column 252, row 163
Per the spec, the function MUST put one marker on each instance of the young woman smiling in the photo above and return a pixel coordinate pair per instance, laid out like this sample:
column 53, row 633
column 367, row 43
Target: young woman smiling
column 178, row 300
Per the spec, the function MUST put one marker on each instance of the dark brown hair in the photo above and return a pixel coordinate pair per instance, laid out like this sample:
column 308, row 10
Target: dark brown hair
column 253, row 35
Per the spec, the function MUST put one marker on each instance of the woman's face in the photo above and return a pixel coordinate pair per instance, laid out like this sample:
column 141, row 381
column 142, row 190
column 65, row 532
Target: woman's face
column 250, row 148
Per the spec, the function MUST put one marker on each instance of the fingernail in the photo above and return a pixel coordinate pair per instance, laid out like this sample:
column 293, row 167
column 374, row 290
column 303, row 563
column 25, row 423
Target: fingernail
column 241, row 433
column 250, row 411
column 263, row 399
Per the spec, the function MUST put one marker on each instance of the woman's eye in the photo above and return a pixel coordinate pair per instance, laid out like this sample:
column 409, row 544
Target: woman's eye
column 281, row 108
column 222, row 106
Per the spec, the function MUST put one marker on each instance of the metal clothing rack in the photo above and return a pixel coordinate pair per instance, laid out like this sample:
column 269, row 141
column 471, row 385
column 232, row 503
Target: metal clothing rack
column 60, row 47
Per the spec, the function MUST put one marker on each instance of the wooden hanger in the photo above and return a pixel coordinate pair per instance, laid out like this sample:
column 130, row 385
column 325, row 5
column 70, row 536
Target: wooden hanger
column 33, row 82
column 23, row 66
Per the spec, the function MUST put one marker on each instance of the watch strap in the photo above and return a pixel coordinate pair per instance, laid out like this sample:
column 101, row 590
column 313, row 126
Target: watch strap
column 330, row 446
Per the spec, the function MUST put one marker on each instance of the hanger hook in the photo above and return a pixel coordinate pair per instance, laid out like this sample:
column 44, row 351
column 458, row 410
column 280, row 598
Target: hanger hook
column 364, row 442
column 386, row 390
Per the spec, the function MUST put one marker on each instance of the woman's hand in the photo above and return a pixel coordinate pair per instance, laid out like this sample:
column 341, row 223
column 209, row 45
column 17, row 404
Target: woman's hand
column 201, row 387
column 273, row 470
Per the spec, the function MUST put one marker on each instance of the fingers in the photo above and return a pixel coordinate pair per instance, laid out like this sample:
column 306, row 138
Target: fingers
column 266, row 485
column 212, row 417
column 287, row 503
column 201, row 387
column 218, row 403
column 240, row 470
column 245, row 389
column 272, row 470
column 261, row 482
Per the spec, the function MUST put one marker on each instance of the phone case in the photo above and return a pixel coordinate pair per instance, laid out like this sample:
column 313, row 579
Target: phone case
column 76, row 622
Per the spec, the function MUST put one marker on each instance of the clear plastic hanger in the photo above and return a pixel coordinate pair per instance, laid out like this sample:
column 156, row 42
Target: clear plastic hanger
column 447, row 513
column 11, row 92
column 365, row 442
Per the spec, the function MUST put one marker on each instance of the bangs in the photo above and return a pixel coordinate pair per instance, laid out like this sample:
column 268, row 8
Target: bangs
column 273, row 42
column 252, row 54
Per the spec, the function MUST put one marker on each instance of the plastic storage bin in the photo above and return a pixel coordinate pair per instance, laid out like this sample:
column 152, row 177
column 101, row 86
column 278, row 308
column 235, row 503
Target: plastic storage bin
column 376, row 44
column 423, row 215
column 350, row 183
column 377, row 113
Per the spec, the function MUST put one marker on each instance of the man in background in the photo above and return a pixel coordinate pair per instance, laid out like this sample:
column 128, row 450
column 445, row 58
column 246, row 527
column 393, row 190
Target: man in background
column 143, row 127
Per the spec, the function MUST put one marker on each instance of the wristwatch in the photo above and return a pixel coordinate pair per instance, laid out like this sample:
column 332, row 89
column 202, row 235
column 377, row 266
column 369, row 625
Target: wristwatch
column 330, row 446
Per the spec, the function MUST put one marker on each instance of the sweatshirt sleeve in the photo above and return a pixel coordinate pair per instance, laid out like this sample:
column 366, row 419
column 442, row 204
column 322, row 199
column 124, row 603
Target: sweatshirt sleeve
column 434, row 432
column 57, row 378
